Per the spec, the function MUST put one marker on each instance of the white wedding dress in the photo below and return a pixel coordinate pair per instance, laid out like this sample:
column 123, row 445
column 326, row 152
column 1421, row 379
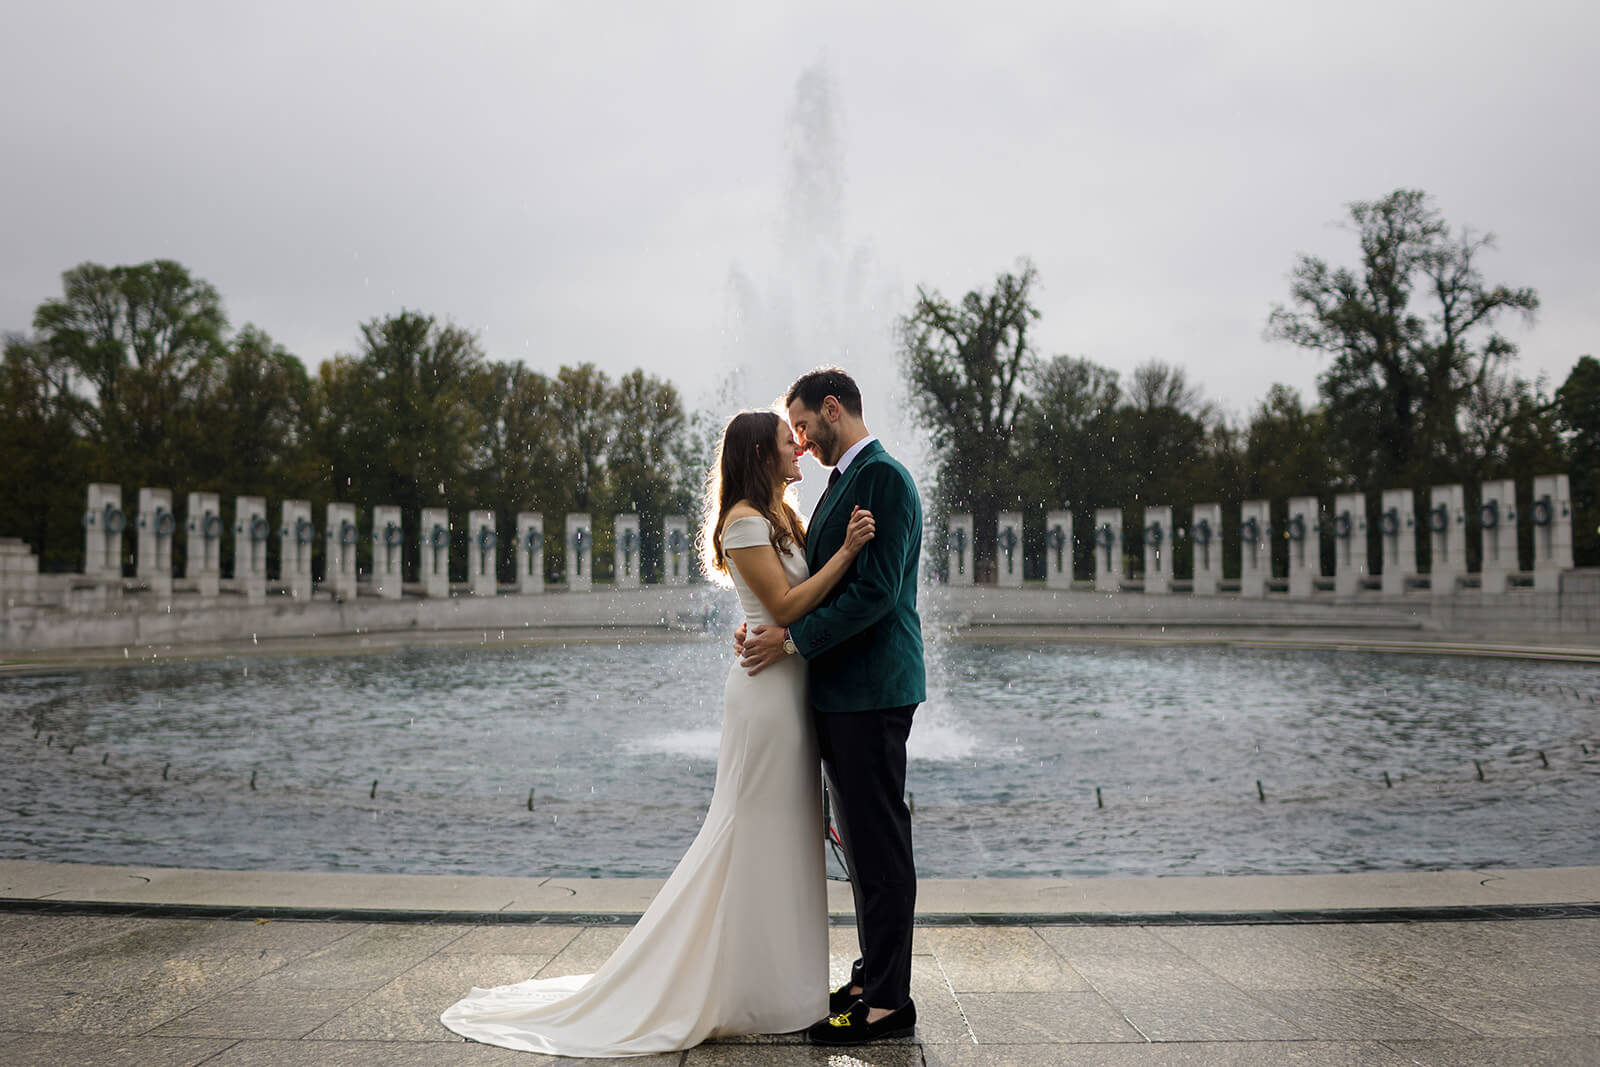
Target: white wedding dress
column 736, row 942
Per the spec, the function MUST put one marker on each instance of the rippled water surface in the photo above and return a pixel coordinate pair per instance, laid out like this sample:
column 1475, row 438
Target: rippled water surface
column 153, row 764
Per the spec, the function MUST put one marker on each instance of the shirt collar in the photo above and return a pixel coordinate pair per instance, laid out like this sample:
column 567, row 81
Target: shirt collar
column 852, row 452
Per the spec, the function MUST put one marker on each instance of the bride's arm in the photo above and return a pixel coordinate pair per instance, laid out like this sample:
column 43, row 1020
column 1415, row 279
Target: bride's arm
column 762, row 571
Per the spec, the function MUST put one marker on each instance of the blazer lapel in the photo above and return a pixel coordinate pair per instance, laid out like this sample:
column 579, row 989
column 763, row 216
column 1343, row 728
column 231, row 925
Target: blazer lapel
column 836, row 494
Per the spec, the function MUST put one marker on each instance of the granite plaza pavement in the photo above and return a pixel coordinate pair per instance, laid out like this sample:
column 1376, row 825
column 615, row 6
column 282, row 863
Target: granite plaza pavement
column 161, row 966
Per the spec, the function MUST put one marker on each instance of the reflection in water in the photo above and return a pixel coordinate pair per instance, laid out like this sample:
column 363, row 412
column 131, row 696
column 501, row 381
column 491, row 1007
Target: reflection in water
column 153, row 764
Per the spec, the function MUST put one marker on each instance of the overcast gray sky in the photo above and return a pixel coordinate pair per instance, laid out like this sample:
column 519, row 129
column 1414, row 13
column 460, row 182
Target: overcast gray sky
column 587, row 181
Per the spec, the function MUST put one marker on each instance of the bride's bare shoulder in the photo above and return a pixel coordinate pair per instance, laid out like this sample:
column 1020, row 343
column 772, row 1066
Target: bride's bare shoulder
column 743, row 510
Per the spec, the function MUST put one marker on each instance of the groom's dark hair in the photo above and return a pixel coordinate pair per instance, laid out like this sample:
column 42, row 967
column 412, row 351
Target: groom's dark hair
column 812, row 387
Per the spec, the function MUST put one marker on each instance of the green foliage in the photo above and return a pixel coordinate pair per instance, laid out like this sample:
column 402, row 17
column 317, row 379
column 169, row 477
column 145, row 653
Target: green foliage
column 131, row 378
column 649, row 421
column 967, row 365
column 1577, row 412
column 1415, row 359
column 141, row 342
column 45, row 463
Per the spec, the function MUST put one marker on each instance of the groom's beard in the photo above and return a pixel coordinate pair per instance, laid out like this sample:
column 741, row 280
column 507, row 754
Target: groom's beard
column 827, row 450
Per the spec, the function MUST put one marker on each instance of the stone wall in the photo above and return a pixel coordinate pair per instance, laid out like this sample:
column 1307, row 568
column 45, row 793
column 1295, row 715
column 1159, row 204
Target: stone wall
column 71, row 612
column 138, row 620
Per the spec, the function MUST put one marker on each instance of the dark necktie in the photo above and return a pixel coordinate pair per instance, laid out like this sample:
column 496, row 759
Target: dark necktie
column 833, row 477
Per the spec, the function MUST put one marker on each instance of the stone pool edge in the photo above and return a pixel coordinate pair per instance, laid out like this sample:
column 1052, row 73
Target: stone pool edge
column 1550, row 646
column 36, row 886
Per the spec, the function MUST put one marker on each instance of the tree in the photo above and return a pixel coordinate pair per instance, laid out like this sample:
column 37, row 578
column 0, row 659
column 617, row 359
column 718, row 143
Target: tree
column 586, row 425
column 142, row 341
column 649, row 424
column 967, row 366
column 395, row 424
column 416, row 379
column 1163, row 429
column 1066, row 447
column 1286, row 455
column 255, row 411
column 44, row 463
column 1285, row 452
column 1411, row 335
column 1577, row 409
column 517, row 418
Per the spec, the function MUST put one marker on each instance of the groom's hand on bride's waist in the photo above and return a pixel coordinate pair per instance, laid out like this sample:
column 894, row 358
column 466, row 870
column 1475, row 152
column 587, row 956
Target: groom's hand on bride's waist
column 763, row 646
column 738, row 640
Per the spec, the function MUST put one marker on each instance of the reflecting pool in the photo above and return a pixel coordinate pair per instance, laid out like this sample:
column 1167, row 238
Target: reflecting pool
column 600, row 759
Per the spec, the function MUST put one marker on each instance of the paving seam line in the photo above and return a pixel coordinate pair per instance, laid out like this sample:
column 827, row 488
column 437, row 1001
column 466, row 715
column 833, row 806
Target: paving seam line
column 420, row 916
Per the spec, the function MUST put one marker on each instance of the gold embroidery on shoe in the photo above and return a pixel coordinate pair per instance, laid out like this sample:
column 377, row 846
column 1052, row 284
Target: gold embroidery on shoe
column 841, row 1020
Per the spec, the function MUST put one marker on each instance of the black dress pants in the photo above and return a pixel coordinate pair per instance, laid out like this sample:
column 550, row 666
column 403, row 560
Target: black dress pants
column 864, row 758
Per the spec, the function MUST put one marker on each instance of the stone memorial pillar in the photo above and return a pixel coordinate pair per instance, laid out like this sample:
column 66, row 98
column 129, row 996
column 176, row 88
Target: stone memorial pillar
column 19, row 572
column 1349, row 543
column 676, row 550
column 1157, row 538
column 1447, row 536
column 295, row 537
column 1552, row 531
column 530, row 552
column 250, row 532
column 1205, row 532
column 103, row 524
column 580, row 554
column 433, row 561
column 1398, row 523
column 203, row 525
column 1108, row 550
column 1008, row 550
column 958, row 549
column 1255, row 548
column 388, row 551
column 625, row 551
column 1058, row 550
column 157, row 526
column 1305, row 551
column 1497, row 517
column 339, row 554
column 482, row 553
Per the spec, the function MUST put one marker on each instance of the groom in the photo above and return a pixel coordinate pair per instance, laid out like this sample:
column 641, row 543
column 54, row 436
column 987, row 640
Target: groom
column 863, row 648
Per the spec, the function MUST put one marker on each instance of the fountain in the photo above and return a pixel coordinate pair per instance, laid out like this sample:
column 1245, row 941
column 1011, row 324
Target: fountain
column 825, row 300
column 266, row 761
column 1365, row 755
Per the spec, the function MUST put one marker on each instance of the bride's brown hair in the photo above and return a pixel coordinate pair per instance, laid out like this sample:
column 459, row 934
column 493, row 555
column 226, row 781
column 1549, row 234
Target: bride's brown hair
column 746, row 468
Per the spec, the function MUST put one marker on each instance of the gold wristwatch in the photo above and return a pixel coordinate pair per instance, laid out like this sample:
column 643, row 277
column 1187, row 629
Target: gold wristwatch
column 788, row 643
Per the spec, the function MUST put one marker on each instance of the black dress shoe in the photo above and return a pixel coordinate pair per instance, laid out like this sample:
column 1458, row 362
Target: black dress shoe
column 851, row 1027
column 841, row 999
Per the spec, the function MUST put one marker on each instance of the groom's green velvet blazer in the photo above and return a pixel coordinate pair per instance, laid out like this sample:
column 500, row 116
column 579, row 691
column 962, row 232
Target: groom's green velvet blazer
column 863, row 644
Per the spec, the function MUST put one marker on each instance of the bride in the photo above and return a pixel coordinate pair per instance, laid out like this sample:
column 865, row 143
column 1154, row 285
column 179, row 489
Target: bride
column 736, row 942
